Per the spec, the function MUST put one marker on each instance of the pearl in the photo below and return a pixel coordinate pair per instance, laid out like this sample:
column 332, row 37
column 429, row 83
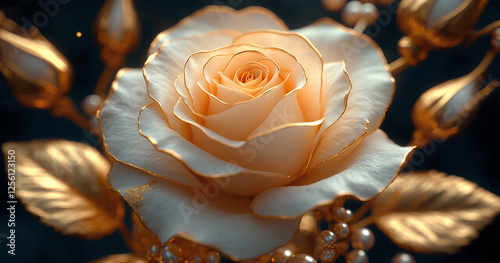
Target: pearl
column 171, row 253
column 326, row 254
column 281, row 255
column 327, row 238
column 370, row 13
column 213, row 257
column 340, row 213
column 403, row 258
column 342, row 230
column 348, row 216
column 302, row 258
column 91, row 104
column 352, row 13
column 333, row 5
column 356, row 256
column 363, row 239
column 154, row 250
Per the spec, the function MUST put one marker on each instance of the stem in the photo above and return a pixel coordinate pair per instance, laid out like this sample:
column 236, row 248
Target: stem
column 361, row 25
column 103, row 83
column 127, row 237
column 362, row 223
column 65, row 107
column 398, row 65
column 361, row 211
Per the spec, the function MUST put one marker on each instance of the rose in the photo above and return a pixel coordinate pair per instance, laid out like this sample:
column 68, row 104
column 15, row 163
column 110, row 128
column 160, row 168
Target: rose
column 236, row 127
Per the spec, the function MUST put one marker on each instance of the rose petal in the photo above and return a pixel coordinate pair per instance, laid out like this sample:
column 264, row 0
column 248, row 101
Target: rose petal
column 263, row 152
column 200, row 90
column 363, row 174
column 118, row 121
column 162, row 68
column 372, row 84
column 152, row 126
column 213, row 18
column 307, row 55
column 216, row 219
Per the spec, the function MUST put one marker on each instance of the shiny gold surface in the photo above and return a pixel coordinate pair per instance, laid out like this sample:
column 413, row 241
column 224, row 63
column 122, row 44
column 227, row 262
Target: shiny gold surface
column 143, row 237
column 437, row 116
column 64, row 183
column 117, row 31
column 431, row 212
column 120, row 258
column 37, row 73
column 447, row 31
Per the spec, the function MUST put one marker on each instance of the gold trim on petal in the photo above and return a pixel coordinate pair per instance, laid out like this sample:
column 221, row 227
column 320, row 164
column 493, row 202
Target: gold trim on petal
column 114, row 87
column 350, row 195
column 180, row 158
column 219, row 9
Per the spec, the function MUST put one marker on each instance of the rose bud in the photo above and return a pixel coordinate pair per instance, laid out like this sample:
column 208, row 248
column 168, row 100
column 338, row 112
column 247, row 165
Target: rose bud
column 434, row 24
column 116, row 30
column 36, row 72
column 447, row 108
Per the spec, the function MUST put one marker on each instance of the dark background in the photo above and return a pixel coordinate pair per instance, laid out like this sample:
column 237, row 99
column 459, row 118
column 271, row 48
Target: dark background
column 473, row 155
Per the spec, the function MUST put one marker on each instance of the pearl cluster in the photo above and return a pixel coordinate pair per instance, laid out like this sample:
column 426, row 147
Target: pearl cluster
column 356, row 11
column 172, row 253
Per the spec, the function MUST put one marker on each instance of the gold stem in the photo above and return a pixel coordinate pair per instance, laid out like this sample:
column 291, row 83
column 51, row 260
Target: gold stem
column 361, row 211
column 361, row 25
column 103, row 84
column 362, row 223
column 398, row 65
column 127, row 237
column 474, row 35
column 65, row 107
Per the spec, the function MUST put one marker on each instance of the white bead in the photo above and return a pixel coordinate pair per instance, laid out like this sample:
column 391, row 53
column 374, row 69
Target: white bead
column 352, row 13
column 356, row 256
column 302, row 258
column 281, row 255
column 327, row 238
column 341, row 230
column 363, row 239
column 403, row 258
column 213, row 257
column 171, row 253
column 370, row 13
column 91, row 104
column 326, row 254
column 333, row 5
column 348, row 216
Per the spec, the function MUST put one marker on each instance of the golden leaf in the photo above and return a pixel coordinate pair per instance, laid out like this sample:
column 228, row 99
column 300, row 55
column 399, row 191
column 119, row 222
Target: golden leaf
column 64, row 183
column 431, row 212
column 120, row 258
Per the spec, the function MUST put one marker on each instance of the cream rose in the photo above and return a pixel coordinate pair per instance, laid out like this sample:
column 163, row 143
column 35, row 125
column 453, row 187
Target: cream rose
column 236, row 127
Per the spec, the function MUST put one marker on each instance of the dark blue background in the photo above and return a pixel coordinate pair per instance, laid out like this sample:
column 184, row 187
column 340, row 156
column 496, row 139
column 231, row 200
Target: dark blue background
column 473, row 155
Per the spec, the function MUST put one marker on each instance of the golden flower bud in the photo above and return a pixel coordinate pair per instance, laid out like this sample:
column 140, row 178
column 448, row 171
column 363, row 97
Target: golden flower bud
column 446, row 109
column 117, row 30
column 36, row 72
column 434, row 24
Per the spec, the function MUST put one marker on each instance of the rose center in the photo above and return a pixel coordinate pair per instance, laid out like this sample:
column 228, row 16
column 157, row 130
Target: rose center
column 251, row 74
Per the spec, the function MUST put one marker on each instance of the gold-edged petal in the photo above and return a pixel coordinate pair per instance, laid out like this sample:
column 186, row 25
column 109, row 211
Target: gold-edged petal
column 362, row 174
column 372, row 84
column 121, row 139
column 214, row 219
column 164, row 66
column 306, row 54
column 167, row 141
column 263, row 152
column 213, row 18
